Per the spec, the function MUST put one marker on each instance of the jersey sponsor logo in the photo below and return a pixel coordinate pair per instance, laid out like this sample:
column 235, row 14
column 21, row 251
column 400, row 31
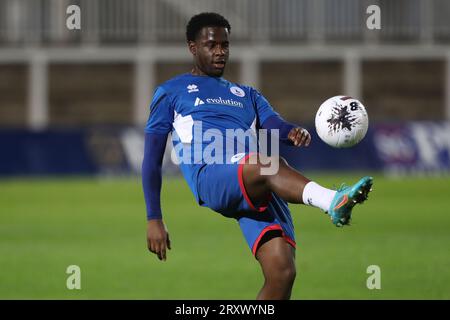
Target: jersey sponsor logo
column 192, row 88
column 237, row 91
column 198, row 102
column 225, row 102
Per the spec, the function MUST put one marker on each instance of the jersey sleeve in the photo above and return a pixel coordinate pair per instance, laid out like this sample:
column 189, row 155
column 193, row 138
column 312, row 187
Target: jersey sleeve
column 263, row 108
column 160, row 119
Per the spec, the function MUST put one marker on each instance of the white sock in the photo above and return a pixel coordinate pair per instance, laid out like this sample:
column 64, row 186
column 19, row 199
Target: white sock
column 317, row 196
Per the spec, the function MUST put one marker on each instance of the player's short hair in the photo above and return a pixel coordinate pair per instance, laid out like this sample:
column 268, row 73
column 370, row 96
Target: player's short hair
column 205, row 19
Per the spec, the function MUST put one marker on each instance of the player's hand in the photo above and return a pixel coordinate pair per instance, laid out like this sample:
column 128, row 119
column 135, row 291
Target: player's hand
column 158, row 238
column 299, row 137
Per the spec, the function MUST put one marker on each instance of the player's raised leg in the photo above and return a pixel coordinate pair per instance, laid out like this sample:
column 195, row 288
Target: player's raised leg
column 277, row 260
column 293, row 187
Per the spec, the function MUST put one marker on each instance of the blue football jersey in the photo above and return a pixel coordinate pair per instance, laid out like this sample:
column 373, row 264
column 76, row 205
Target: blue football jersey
column 208, row 118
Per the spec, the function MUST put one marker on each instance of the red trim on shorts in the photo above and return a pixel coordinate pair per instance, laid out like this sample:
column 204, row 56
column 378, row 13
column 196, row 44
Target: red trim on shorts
column 269, row 228
column 242, row 187
column 290, row 241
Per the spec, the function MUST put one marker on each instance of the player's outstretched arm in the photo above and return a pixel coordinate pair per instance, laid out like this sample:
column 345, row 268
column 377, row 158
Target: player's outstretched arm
column 157, row 236
column 289, row 132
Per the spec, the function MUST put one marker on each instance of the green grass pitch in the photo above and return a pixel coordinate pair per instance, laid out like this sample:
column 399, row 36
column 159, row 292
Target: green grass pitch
column 99, row 225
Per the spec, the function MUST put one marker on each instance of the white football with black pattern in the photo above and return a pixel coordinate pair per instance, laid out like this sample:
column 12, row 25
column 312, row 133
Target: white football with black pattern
column 342, row 121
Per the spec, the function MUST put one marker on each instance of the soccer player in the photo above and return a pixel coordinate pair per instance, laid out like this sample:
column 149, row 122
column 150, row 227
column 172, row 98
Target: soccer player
column 238, row 187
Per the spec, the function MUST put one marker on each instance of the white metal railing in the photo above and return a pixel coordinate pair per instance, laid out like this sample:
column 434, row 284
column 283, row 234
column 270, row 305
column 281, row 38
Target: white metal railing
column 249, row 58
column 136, row 22
column 144, row 32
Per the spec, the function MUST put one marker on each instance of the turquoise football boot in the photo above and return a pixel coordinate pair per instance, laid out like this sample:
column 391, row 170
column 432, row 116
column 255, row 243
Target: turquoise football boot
column 345, row 199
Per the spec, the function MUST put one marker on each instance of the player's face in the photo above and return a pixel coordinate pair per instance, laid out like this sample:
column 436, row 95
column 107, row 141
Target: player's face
column 210, row 51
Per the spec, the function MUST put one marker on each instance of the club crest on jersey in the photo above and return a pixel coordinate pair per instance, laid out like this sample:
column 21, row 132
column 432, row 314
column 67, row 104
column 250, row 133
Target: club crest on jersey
column 237, row 91
column 192, row 88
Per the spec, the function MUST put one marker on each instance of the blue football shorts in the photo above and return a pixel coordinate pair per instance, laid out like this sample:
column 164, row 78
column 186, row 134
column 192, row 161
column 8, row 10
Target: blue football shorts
column 221, row 188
